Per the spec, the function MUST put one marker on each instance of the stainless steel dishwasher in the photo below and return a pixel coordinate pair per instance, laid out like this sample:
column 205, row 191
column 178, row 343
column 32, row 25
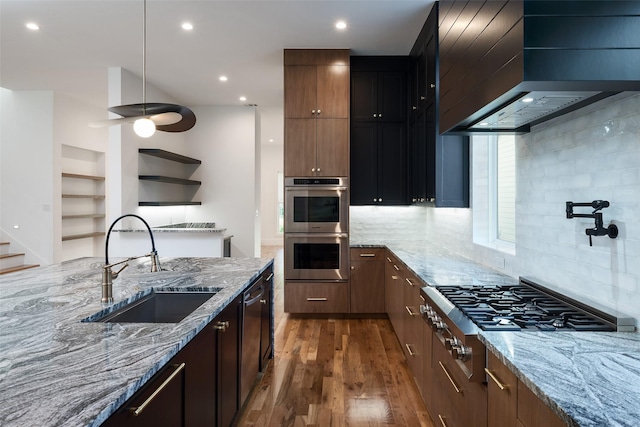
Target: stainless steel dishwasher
column 251, row 333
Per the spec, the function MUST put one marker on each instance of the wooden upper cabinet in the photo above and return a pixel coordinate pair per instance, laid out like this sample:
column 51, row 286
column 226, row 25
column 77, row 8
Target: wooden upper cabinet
column 316, row 106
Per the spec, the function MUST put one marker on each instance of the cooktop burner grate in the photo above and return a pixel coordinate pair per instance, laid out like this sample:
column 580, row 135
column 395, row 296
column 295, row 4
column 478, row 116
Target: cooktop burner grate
column 520, row 307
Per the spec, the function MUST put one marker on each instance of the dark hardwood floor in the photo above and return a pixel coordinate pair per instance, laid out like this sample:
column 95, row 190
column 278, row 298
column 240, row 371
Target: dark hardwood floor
column 332, row 372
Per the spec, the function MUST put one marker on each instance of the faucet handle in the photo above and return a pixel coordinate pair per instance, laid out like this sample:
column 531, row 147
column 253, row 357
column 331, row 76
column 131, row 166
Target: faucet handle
column 115, row 275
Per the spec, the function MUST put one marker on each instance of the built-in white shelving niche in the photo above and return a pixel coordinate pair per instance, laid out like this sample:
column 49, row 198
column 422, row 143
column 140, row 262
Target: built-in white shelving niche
column 83, row 202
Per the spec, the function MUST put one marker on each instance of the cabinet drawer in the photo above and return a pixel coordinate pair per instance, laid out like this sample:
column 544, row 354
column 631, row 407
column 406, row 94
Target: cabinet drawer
column 533, row 412
column 367, row 254
column 301, row 297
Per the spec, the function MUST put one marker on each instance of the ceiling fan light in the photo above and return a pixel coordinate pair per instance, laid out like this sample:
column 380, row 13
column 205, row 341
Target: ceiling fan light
column 144, row 128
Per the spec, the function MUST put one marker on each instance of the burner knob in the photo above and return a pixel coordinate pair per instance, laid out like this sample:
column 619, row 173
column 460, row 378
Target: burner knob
column 449, row 343
column 434, row 320
column 461, row 352
column 440, row 325
column 424, row 309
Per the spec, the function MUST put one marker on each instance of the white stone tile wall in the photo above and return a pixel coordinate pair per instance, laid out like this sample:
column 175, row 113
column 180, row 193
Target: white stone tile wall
column 589, row 154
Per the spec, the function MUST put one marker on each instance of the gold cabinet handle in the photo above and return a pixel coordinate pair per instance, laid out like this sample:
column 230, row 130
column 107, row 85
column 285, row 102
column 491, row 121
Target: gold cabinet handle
column 269, row 277
column 316, row 299
column 389, row 259
column 495, row 379
column 411, row 353
column 137, row 411
column 394, row 277
column 263, row 301
column 442, row 421
column 367, row 255
column 409, row 281
column 411, row 312
column 222, row 326
column 449, row 376
column 396, row 267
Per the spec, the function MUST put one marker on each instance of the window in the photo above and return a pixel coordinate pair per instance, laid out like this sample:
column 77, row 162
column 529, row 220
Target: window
column 280, row 204
column 494, row 191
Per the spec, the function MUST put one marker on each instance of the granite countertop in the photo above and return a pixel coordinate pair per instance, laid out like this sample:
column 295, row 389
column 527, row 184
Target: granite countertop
column 589, row 379
column 56, row 370
column 183, row 227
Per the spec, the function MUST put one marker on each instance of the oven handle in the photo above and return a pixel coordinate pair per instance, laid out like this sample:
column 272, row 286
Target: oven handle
column 316, row 188
column 305, row 235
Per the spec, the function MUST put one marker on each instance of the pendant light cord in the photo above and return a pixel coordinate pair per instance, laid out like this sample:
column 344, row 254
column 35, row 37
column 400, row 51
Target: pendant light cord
column 144, row 58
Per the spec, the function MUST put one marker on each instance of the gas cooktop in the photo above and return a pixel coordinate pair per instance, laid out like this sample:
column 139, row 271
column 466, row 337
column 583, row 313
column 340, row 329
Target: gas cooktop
column 526, row 306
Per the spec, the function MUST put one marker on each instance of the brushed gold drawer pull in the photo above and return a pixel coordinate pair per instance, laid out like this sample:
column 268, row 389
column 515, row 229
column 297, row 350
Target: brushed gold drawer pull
column 396, row 267
column 495, row 379
column 269, row 278
column 367, row 255
column 411, row 353
column 389, row 259
column 442, row 421
column 263, row 301
column 222, row 326
column 394, row 277
column 411, row 313
column 449, row 376
column 316, row 299
column 409, row 281
column 137, row 411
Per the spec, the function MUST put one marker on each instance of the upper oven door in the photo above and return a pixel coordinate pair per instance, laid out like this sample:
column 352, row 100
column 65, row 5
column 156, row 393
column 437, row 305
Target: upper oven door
column 316, row 208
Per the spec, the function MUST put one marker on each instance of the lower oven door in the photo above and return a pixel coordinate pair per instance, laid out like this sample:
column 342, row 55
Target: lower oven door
column 316, row 256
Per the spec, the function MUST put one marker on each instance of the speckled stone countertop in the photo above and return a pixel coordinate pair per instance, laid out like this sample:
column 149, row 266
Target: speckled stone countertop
column 589, row 379
column 183, row 227
column 57, row 371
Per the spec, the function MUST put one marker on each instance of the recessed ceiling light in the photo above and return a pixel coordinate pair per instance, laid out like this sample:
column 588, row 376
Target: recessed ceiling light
column 341, row 25
column 243, row 98
column 223, row 78
column 271, row 140
column 32, row 26
column 187, row 26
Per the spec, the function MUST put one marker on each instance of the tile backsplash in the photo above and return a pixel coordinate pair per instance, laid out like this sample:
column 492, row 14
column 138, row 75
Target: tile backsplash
column 589, row 154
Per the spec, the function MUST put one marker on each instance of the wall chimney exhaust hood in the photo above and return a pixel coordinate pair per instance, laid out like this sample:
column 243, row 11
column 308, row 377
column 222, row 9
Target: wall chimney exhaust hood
column 505, row 66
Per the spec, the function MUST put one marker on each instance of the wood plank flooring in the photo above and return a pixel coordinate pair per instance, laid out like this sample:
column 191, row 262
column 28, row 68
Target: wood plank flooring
column 332, row 372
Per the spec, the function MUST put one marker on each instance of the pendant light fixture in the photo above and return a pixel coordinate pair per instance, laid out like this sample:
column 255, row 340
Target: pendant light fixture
column 149, row 117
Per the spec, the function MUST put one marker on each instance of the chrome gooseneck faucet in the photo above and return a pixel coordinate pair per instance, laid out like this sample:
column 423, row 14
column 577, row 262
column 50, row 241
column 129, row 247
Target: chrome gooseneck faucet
column 108, row 275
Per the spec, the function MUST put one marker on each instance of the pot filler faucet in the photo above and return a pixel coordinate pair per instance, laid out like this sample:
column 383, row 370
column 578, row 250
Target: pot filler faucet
column 108, row 275
column 599, row 229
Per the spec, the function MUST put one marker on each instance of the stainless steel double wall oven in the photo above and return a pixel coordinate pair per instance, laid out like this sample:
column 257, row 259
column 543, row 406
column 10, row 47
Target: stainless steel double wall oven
column 316, row 229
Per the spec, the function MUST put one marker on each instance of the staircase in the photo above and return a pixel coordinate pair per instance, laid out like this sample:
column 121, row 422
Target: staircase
column 11, row 262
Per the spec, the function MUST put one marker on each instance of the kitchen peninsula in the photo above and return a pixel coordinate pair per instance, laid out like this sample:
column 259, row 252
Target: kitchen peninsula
column 57, row 370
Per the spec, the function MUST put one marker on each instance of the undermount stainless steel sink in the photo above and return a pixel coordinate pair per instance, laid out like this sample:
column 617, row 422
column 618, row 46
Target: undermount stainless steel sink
column 157, row 307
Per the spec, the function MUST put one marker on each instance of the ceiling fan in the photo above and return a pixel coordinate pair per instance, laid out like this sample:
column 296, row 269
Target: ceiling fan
column 149, row 117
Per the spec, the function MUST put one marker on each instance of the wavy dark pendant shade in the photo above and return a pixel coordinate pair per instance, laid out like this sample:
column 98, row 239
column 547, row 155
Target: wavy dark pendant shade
column 166, row 117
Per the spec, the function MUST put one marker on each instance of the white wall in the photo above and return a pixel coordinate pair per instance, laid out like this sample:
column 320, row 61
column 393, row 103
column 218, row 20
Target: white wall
column 272, row 162
column 27, row 173
column 593, row 153
column 225, row 140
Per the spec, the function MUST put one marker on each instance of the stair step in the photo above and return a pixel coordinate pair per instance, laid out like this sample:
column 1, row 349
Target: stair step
column 11, row 260
column 17, row 268
column 4, row 248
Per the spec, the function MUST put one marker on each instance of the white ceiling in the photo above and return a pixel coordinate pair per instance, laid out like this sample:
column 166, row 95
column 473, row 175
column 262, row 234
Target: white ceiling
column 79, row 40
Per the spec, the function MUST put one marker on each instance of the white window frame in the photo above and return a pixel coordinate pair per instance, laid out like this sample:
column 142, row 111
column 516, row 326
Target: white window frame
column 485, row 195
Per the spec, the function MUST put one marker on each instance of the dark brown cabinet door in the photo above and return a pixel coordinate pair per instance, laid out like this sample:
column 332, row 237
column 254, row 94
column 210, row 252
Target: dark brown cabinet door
column 364, row 98
column 228, row 345
column 160, row 402
column 392, row 172
column 251, row 333
column 392, row 89
column 300, row 142
column 300, row 91
column 332, row 92
column 502, row 394
column 367, row 281
column 266, row 334
column 364, row 163
column 332, row 150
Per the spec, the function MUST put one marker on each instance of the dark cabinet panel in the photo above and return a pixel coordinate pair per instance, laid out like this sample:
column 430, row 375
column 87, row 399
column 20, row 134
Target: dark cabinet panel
column 438, row 164
column 228, row 369
column 379, row 130
column 266, row 333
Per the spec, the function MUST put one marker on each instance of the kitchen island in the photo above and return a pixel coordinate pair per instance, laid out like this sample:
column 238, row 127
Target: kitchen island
column 57, row 370
column 588, row 379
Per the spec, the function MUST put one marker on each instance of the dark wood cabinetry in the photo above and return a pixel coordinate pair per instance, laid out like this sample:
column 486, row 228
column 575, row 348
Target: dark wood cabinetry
column 367, row 280
column 206, row 383
column 439, row 164
column 316, row 106
column 378, row 130
column 510, row 402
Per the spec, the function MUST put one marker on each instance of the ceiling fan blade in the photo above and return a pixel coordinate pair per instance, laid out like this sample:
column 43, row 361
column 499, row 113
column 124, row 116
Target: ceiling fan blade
column 111, row 122
column 166, row 118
